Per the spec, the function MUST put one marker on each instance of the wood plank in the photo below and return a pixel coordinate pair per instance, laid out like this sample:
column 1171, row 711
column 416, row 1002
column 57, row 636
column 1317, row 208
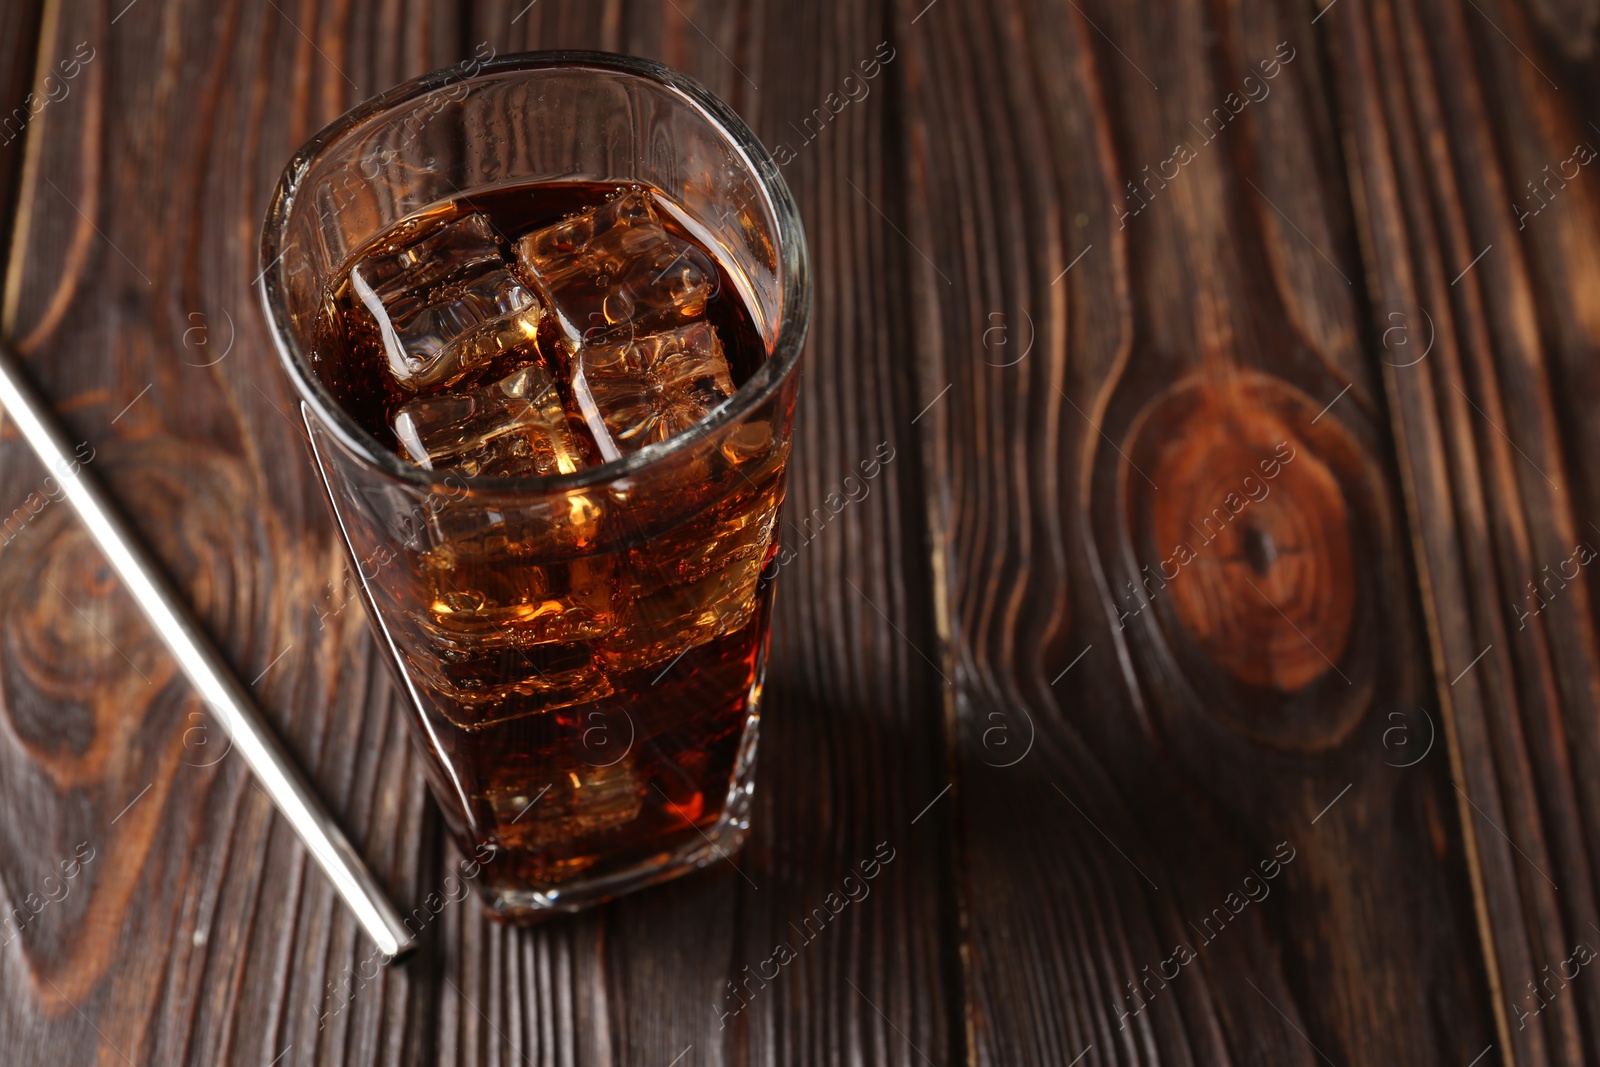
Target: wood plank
column 1050, row 396
column 1136, row 760
column 1480, row 229
column 196, row 934
column 849, row 751
column 19, row 43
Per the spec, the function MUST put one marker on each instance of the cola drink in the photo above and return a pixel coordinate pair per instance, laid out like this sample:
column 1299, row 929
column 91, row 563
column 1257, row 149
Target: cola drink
column 585, row 660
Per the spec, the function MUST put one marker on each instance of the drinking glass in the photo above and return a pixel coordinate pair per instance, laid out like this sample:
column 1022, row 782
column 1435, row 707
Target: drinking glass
column 569, row 770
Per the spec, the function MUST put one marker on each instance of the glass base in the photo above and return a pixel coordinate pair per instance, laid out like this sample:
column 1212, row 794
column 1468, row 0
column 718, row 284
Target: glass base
column 720, row 842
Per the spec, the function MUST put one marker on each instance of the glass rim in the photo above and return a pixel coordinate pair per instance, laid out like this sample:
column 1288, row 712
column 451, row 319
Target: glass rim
column 789, row 238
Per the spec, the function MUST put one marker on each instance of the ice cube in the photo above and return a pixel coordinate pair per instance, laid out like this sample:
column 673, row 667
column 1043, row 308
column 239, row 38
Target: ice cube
column 566, row 800
column 446, row 304
column 691, row 585
column 409, row 262
column 509, row 633
column 477, row 688
column 657, row 627
column 513, row 427
column 614, row 269
column 648, row 389
column 736, row 529
column 510, row 602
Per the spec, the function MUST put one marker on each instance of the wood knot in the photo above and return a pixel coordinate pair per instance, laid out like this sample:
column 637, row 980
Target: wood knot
column 93, row 721
column 1247, row 540
column 79, row 665
column 1259, row 548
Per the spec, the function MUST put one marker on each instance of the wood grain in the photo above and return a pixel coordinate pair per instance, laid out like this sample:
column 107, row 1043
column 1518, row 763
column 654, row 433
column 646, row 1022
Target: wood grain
column 197, row 933
column 19, row 29
column 1172, row 566
column 1474, row 227
column 1224, row 552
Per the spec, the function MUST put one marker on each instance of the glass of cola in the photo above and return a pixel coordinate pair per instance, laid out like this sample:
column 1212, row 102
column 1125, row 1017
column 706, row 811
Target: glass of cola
column 542, row 315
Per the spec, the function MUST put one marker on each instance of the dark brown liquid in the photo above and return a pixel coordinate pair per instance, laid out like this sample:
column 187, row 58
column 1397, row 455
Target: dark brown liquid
column 586, row 665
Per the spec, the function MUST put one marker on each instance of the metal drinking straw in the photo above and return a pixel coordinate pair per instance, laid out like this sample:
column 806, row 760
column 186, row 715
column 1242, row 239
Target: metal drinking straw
column 210, row 674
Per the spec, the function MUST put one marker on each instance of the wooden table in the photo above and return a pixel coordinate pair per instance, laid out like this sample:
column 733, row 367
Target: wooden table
column 1216, row 655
